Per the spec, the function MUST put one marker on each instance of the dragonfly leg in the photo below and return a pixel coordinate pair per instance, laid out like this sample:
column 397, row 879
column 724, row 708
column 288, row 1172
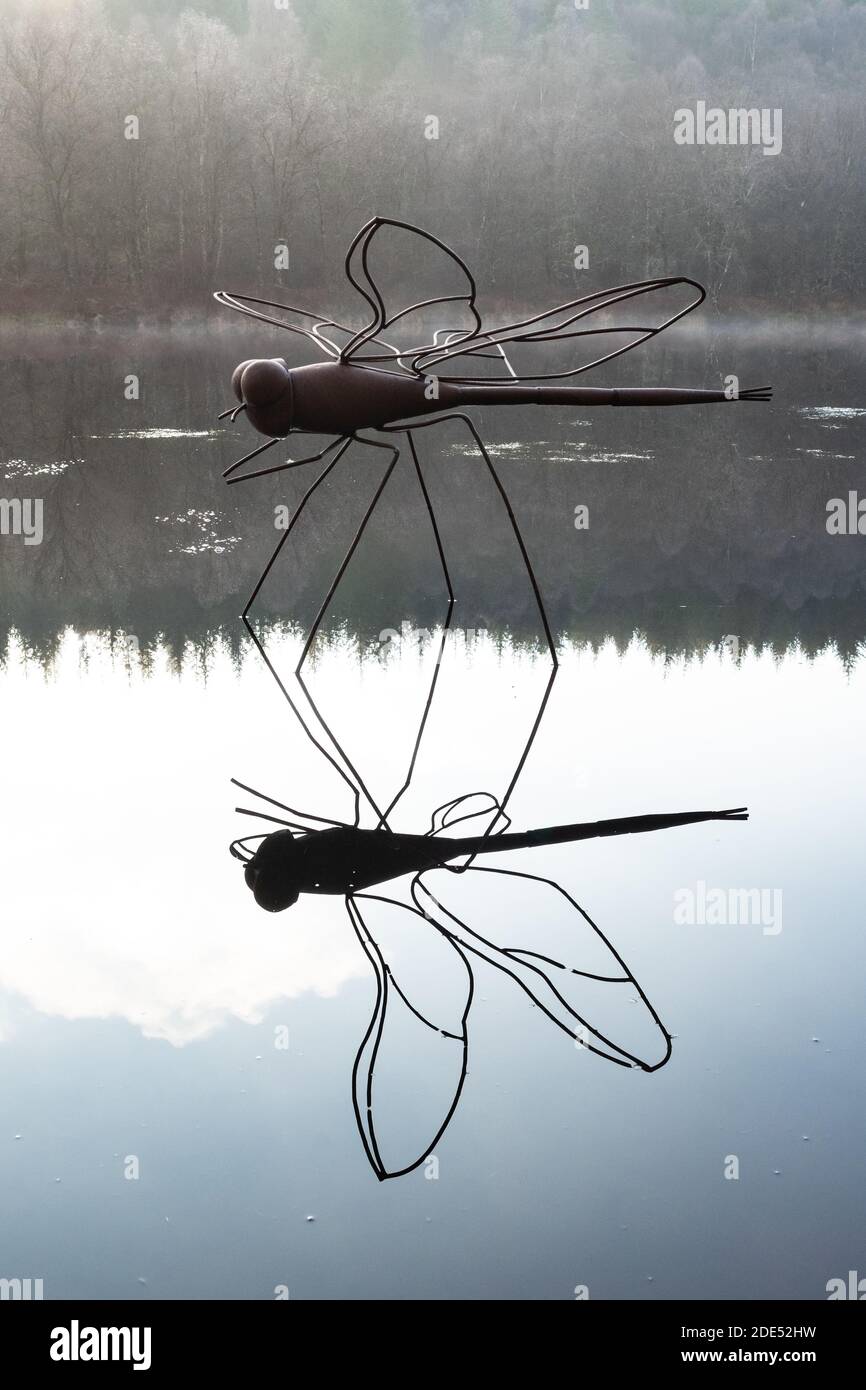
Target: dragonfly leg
column 360, row 785
column 281, row 805
column 536, row 590
column 446, row 626
column 245, row 618
column 279, row 467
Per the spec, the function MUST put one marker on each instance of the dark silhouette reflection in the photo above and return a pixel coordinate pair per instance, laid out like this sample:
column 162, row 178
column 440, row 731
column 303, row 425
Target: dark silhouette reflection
column 345, row 859
column 526, row 926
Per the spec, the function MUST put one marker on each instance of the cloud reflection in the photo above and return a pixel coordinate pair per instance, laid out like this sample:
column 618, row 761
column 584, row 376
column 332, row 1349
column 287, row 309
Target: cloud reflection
column 174, row 978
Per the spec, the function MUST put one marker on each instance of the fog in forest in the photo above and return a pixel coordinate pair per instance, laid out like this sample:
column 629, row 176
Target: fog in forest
column 151, row 154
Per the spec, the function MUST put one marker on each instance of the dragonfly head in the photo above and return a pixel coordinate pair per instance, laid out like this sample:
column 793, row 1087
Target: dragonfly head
column 264, row 386
column 270, row 873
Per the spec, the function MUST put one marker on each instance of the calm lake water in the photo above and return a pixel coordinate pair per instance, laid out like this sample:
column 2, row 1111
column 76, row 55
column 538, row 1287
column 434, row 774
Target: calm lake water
column 176, row 1091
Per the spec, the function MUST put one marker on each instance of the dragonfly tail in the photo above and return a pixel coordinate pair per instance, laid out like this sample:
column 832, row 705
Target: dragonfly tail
column 592, row 830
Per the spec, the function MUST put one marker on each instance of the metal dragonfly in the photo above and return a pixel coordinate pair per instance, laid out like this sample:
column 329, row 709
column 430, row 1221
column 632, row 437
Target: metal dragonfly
column 368, row 382
column 352, row 392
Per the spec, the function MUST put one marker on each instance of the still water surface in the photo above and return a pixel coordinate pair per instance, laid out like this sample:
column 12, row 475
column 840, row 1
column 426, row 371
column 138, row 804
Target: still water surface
column 142, row 993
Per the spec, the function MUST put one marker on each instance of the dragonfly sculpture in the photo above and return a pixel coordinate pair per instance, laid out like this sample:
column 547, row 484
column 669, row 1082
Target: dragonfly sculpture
column 450, row 912
column 366, row 382
column 524, row 925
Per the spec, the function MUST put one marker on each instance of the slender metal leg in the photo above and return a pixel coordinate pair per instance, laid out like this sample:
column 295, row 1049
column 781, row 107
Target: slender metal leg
column 251, row 455
column 446, row 627
column 281, row 805
column 279, row 467
column 331, row 746
column 536, row 590
column 299, row 511
column 382, row 814
column 311, row 636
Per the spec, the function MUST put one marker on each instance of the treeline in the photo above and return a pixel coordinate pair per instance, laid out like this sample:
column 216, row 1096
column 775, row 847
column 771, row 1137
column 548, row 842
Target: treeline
column 151, row 154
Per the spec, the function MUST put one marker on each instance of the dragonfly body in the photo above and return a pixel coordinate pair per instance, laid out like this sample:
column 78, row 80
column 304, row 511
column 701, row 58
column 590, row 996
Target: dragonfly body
column 346, row 859
column 341, row 398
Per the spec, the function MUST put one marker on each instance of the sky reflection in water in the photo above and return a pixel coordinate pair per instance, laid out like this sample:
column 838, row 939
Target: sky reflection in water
column 141, row 991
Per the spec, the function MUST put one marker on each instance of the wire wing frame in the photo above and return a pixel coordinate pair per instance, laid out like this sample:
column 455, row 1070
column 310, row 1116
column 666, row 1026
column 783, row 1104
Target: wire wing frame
column 551, row 326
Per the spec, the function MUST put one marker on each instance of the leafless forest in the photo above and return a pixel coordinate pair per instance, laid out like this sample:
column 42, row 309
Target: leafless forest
column 518, row 129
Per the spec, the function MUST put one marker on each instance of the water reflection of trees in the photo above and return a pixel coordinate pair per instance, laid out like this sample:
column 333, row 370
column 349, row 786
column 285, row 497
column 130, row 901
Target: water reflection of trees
column 700, row 525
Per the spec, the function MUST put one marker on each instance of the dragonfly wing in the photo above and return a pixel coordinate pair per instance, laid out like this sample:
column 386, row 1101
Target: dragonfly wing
column 330, row 337
column 573, row 337
column 322, row 333
column 482, row 348
column 534, row 931
column 386, row 251
column 411, row 1065
column 482, row 808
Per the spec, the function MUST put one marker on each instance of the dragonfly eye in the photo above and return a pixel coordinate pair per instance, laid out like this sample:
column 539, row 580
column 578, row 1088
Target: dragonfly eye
column 269, row 876
column 264, row 386
column 274, row 896
column 236, row 378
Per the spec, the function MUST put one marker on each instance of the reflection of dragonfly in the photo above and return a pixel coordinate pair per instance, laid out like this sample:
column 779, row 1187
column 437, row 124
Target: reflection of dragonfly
column 526, row 926
column 368, row 382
